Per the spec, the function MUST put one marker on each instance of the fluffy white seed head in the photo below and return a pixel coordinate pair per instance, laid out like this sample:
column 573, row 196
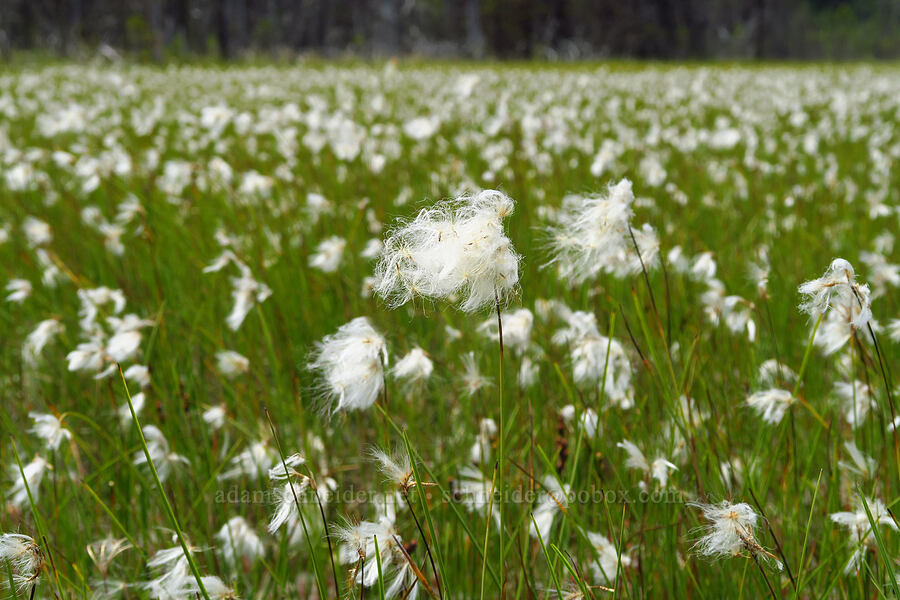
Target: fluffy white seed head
column 454, row 250
column 351, row 365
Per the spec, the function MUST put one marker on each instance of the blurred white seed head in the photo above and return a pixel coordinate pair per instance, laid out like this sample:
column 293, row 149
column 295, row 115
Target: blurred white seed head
column 351, row 364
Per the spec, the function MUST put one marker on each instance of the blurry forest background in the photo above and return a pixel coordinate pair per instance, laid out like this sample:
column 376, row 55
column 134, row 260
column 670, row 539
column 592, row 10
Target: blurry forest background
column 547, row 29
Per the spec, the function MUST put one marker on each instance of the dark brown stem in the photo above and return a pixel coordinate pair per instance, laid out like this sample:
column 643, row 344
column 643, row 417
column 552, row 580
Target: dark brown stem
column 437, row 576
column 784, row 561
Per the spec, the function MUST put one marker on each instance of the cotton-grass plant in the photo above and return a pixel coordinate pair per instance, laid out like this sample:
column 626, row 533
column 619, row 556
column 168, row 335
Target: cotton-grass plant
column 456, row 251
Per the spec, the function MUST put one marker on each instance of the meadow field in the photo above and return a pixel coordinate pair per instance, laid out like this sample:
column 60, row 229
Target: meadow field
column 449, row 330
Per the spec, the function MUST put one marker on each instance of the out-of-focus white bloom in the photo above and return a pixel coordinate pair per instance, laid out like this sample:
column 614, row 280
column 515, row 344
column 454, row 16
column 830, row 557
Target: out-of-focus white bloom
column 51, row 274
column 772, row 372
column 474, row 491
column 92, row 300
column 703, row 267
column 87, row 356
column 238, row 541
column 39, row 338
column 606, row 567
column 19, row 289
column 553, row 499
column 317, row 205
column 124, row 411
column 421, row 128
column 103, row 552
column 859, row 528
column 860, row 465
column 516, row 329
column 528, row 373
column 123, row 346
column 593, row 235
column 734, row 311
column 882, row 274
column 472, row 380
column 481, row 450
column 894, row 330
column 25, row 561
column 730, row 531
column 589, row 421
column 214, row 586
column 658, row 469
column 373, row 249
column 215, row 417
column 759, row 273
column 596, row 356
column 351, row 363
column 456, row 249
column 33, row 475
column 415, row 366
column 112, row 238
column 251, row 462
column 328, row 255
column 771, row 404
column 139, row 374
column 158, row 447
column 857, row 398
column 37, row 233
column 246, row 293
column 231, row 364
column 50, row 429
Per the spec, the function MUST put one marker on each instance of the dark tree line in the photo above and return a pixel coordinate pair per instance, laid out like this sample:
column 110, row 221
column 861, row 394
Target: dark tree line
column 679, row 29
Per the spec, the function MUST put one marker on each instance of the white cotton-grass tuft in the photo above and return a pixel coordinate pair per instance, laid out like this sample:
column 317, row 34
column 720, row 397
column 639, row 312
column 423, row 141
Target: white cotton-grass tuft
column 455, row 250
column 844, row 305
column 606, row 567
column 730, row 530
column 597, row 360
column 588, row 421
column 415, row 366
column 231, row 364
column 657, row 469
column 27, row 480
column 50, row 429
column 163, row 458
column 22, row 560
column 238, row 541
column 553, row 499
column 857, row 400
column 358, row 546
column 472, row 379
column 328, row 254
column 395, row 466
column 861, row 534
column 351, row 365
column 771, row 404
column 593, row 235
column 516, row 329
column 39, row 338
